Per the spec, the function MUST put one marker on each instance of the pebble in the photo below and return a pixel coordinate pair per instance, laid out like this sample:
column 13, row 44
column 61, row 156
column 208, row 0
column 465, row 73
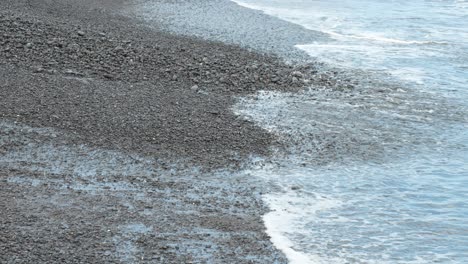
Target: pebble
column 209, row 134
column 297, row 74
column 38, row 69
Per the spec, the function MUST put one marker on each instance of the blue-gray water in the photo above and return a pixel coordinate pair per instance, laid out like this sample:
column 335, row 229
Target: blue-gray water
column 394, row 188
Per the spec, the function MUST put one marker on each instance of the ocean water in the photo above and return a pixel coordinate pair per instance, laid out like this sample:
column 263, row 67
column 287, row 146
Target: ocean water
column 381, row 175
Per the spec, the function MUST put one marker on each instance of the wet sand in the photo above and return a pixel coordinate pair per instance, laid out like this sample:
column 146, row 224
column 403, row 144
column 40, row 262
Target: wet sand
column 118, row 143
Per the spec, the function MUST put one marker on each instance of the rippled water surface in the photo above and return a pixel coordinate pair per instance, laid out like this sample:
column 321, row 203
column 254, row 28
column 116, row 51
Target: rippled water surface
column 383, row 174
column 424, row 42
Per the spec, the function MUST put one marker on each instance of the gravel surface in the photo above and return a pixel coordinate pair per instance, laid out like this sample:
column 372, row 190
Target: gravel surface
column 226, row 21
column 116, row 139
column 136, row 89
column 65, row 203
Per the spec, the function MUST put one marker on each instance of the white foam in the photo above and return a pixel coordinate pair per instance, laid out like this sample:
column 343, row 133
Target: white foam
column 250, row 6
column 306, row 221
column 377, row 37
column 415, row 75
column 288, row 210
column 304, row 18
column 364, row 119
column 462, row 4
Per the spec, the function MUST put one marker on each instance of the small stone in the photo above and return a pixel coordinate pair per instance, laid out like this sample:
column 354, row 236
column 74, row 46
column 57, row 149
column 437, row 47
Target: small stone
column 73, row 46
column 80, row 33
column 297, row 74
column 194, row 88
column 295, row 187
column 29, row 45
column 108, row 76
column 38, row 69
column 72, row 72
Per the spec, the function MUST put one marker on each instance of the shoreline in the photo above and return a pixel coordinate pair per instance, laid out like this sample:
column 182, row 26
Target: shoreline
column 119, row 144
column 129, row 139
column 228, row 22
column 340, row 139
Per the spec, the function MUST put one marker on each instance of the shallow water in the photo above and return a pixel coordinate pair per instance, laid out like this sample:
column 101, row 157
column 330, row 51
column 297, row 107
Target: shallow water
column 383, row 174
column 424, row 42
